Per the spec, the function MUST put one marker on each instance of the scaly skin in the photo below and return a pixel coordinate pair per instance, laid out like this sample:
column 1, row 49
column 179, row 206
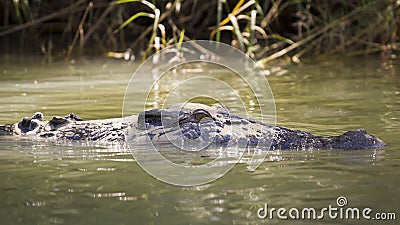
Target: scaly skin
column 190, row 124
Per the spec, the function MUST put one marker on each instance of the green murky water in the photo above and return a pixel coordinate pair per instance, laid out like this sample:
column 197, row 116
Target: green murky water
column 44, row 183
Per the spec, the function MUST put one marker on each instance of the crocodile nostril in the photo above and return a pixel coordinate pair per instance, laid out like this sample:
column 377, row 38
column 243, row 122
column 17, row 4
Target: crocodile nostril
column 38, row 116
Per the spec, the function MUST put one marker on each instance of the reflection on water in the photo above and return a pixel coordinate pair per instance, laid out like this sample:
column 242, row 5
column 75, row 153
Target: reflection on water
column 49, row 183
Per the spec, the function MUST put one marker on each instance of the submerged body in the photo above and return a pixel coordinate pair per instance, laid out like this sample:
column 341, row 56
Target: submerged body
column 189, row 124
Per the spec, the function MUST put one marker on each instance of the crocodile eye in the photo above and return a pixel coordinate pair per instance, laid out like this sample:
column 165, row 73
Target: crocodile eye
column 200, row 114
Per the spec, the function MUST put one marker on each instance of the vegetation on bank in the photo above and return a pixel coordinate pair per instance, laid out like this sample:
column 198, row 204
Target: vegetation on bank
column 264, row 29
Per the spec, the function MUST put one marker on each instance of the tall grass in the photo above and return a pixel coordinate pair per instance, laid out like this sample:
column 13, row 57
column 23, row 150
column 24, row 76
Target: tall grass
column 264, row 29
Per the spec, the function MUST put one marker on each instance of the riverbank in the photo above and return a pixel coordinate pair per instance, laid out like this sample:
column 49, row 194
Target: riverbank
column 265, row 30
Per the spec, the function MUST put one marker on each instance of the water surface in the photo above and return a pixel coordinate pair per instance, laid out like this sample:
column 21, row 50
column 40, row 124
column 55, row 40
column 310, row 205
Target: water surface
column 45, row 183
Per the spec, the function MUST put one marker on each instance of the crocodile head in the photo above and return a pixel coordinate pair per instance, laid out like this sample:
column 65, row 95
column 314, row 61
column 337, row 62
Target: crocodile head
column 196, row 126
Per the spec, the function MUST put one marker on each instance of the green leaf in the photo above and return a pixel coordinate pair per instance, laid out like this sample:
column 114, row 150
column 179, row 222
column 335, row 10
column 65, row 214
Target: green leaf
column 132, row 18
column 150, row 5
column 282, row 38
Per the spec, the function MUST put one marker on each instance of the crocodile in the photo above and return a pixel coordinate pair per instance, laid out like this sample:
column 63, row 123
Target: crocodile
column 187, row 124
